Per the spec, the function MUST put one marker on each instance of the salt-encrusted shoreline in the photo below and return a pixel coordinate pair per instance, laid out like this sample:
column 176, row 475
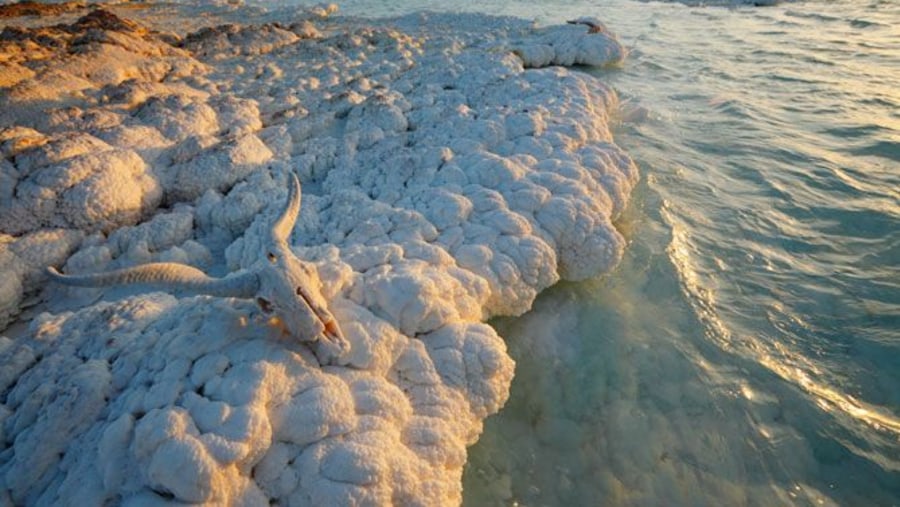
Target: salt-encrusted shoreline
column 449, row 173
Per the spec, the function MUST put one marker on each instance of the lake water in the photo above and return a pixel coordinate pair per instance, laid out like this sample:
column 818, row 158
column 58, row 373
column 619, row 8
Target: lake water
column 747, row 350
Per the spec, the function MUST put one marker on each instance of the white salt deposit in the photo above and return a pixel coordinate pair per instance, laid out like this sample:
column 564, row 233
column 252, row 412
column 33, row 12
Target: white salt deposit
column 446, row 180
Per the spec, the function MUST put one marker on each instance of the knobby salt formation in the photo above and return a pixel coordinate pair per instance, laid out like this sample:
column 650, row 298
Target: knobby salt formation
column 444, row 183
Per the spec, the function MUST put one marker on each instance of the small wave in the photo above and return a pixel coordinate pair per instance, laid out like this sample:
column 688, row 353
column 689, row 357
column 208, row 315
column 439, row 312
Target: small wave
column 781, row 55
column 859, row 131
column 732, row 107
column 815, row 16
column 884, row 149
column 862, row 23
column 859, row 222
column 874, row 45
column 880, row 102
column 654, row 66
column 791, row 79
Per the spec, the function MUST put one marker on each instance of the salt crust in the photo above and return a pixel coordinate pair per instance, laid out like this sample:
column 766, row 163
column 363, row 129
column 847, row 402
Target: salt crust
column 443, row 184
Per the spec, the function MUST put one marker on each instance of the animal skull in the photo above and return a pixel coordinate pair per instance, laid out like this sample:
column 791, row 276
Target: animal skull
column 282, row 285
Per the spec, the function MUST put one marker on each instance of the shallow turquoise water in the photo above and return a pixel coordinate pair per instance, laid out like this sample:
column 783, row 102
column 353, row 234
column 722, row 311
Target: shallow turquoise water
column 747, row 350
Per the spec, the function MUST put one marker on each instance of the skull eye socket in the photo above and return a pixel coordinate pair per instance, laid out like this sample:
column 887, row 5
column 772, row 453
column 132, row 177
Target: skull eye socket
column 264, row 305
column 271, row 257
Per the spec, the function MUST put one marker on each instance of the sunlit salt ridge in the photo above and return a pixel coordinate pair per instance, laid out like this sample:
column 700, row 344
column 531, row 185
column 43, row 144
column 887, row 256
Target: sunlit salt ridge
column 448, row 176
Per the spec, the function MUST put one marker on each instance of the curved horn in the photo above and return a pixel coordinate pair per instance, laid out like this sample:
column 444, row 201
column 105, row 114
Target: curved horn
column 167, row 275
column 282, row 227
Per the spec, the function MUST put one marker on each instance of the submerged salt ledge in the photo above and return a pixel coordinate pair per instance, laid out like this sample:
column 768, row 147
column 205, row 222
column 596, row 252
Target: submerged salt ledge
column 443, row 184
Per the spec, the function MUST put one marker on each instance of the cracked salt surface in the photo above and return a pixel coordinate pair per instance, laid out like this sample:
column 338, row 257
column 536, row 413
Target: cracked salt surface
column 450, row 174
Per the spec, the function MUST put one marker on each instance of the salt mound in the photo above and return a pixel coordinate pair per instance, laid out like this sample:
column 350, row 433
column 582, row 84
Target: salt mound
column 444, row 183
